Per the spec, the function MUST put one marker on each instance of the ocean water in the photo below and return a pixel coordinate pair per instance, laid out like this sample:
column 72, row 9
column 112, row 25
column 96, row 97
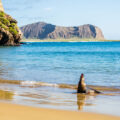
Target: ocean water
column 62, row 62
column 54, row 63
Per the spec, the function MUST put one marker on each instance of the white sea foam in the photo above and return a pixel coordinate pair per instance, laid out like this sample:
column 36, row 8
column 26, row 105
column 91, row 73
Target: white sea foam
column 34, row 83
column 28, row 83
column 47, row 84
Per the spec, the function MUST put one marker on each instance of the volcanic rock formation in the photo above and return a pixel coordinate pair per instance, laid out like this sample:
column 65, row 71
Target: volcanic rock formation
column 1, row 6
column 10, row 34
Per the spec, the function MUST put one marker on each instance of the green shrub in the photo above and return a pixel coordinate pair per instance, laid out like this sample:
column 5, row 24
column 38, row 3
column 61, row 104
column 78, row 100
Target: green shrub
column 8, row 23
column 4, row 21
column 13, row 24
column 2, row 14
column 13, row 30
column 3, row 26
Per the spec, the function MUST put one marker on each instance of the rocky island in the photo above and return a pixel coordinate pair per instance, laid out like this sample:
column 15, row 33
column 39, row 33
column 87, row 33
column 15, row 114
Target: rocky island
column 41, row 30
column 10, row 34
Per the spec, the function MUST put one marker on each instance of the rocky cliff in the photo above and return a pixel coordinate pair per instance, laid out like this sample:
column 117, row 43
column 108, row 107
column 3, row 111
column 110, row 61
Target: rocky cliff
column 1, row 6
column 10, row 34
column 43, row 30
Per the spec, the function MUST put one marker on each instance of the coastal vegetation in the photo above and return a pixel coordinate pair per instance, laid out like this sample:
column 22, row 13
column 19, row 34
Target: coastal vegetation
column 10, row 33
column 8, row 23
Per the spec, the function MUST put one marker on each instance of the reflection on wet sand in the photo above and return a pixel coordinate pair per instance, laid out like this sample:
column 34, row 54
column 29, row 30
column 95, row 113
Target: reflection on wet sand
column 6, row 95
column 82, row 100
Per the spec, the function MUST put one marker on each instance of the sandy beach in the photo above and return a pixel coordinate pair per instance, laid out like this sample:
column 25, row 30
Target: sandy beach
column 18, row 112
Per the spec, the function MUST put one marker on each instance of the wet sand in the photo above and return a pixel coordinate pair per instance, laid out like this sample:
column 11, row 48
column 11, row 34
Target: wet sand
column 18, row 112
column 55, row 96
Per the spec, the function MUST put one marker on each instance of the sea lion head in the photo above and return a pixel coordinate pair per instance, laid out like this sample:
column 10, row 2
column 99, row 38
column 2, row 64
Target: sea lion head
column 82, row 78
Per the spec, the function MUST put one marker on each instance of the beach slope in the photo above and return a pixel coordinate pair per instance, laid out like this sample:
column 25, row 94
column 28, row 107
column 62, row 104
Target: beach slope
column 18, row 112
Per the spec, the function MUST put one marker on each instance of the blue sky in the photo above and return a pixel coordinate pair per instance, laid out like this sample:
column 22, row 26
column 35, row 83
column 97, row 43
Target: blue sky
column 102, row 13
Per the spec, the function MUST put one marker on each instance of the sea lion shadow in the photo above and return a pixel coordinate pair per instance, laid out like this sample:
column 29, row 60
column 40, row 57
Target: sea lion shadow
column 84, row 100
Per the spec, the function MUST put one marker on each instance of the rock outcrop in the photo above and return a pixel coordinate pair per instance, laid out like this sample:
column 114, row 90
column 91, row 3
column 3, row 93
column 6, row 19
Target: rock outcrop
column 10, row 34
column 43, row 30
column 1, row 6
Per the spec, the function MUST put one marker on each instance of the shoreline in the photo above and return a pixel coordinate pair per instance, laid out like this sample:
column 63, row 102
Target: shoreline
column 20, row 112
column 62, row 86
column 67, row 40
column 61, row 97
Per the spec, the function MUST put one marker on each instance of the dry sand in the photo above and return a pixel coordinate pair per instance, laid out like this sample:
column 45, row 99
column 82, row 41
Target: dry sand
column 18, row 112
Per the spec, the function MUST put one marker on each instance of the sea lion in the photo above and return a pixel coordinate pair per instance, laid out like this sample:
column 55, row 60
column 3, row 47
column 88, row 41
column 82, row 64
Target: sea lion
column 81, row 85
column 82, row 88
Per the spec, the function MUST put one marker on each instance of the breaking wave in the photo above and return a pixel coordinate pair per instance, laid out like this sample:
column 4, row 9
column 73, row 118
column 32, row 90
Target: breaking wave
column 68, row 86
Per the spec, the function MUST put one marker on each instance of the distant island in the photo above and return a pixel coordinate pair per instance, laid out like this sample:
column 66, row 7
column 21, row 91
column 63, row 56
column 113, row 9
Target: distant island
column 43, row 31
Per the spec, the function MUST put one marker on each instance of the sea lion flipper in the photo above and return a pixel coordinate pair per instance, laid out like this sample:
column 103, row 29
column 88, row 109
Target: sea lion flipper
column 95, row 91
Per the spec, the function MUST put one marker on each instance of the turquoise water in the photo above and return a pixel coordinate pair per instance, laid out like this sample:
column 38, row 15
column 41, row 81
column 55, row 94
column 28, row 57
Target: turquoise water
column 62, row 62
